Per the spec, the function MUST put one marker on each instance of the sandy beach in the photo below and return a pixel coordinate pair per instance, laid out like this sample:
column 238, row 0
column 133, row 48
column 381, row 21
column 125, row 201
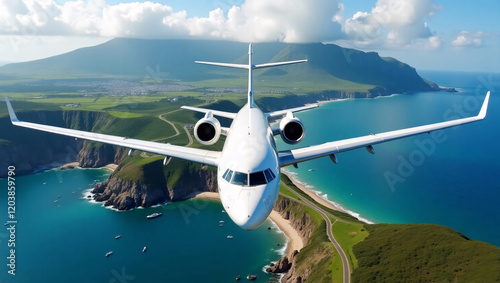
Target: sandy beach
column 112, row 166
column 311, row 193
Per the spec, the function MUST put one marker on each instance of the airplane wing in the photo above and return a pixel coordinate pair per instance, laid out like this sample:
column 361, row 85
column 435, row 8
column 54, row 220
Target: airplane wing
column 294, row 156
column 192, row 154
column 214, row 112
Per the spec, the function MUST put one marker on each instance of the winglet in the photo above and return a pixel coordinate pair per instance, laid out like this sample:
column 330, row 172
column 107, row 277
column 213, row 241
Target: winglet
column 13, row 117
column 484, row 108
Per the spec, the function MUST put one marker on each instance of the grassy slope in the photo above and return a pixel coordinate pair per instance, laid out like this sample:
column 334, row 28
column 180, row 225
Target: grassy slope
column 424, row 253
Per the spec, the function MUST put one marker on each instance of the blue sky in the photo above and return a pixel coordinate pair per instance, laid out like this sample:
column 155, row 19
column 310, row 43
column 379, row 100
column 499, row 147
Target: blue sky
column 427, row 34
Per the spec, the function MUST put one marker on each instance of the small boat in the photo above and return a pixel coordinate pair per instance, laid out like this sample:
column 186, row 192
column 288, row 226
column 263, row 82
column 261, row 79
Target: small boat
column 221, row 222
column 229, row 237
column 220, row 225
column 252, row 277
column 144, row 249
column 154, row 215
column 310, row 170
column 118, row 237
column 223, row 211
column 56, row 200
column 109, row 253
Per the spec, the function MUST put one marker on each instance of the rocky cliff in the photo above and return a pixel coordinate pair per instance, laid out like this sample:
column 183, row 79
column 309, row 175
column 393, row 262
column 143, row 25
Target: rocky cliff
column 302, row 223
column 144, row 185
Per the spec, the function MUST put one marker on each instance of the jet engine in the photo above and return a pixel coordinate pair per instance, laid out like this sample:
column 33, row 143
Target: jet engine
column 291, row 129
column 207, row 130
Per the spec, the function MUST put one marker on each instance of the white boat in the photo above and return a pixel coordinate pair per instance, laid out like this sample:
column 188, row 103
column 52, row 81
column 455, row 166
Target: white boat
column 154, row 215
column 229, row 237
column 118, row 237
column 144, row 249
column 221, row 222
column 109, row 253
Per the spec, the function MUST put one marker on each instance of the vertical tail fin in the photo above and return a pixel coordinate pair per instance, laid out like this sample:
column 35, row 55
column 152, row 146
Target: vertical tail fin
column 250, row 67
column 250, row 77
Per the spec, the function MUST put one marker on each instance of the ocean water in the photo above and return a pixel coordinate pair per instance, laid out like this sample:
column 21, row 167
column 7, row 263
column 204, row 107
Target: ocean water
column 66, row 241
column 449, row 178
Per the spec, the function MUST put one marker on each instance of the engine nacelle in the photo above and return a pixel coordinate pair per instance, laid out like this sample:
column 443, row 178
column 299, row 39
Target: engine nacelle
column 291, row 129
column 207, row 131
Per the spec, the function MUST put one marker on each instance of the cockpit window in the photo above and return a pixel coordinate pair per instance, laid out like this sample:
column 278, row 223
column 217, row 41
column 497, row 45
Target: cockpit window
column 257, row 179
column 269, row 175
column 227, row 176
column 240, row 179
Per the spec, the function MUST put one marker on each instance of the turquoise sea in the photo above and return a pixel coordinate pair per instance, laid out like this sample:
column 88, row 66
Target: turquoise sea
column 66, row 241
column 449, row 178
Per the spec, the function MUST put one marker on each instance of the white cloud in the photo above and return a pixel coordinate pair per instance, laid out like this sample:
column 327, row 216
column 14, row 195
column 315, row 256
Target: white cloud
column 469, row 39
column 254, row 20
column 394, row 23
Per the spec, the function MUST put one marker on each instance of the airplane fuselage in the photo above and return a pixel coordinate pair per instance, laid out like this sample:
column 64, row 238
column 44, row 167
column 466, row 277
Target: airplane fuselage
column 249, row 172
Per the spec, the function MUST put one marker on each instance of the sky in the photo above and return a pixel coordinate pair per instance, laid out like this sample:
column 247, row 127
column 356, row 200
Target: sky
column 427, row 34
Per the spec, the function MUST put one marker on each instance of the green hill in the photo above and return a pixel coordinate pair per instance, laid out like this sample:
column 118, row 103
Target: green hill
column 423, row 253
column 330, row 67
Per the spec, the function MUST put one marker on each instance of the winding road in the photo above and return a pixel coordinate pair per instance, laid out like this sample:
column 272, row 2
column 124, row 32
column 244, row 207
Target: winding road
column 345, row 263
column 190, row 142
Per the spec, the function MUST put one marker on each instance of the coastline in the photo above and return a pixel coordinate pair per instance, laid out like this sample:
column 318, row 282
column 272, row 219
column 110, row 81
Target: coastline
column 310, row 193
column 326, row 202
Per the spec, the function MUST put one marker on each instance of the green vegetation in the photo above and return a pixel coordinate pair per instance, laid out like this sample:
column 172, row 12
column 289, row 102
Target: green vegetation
column 423, row 252
column 317, row 256
column 138, row 169
column 348, row 235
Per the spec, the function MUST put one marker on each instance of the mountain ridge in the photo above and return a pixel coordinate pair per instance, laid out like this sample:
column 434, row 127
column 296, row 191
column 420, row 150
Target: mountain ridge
column 335, row 67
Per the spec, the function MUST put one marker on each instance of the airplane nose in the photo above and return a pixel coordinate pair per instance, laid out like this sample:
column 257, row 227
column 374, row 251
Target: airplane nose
column 248, row 211
column 249, row 223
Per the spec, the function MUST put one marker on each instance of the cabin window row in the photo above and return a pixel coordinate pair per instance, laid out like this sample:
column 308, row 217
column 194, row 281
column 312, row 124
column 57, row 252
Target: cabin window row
column 249, row 180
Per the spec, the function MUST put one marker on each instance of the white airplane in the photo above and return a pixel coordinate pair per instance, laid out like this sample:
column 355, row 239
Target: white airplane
column 248, row 167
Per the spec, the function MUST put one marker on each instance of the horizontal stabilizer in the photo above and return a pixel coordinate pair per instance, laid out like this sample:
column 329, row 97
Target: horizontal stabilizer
column 254, row 67
column 237, row 66
column 277, row 64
